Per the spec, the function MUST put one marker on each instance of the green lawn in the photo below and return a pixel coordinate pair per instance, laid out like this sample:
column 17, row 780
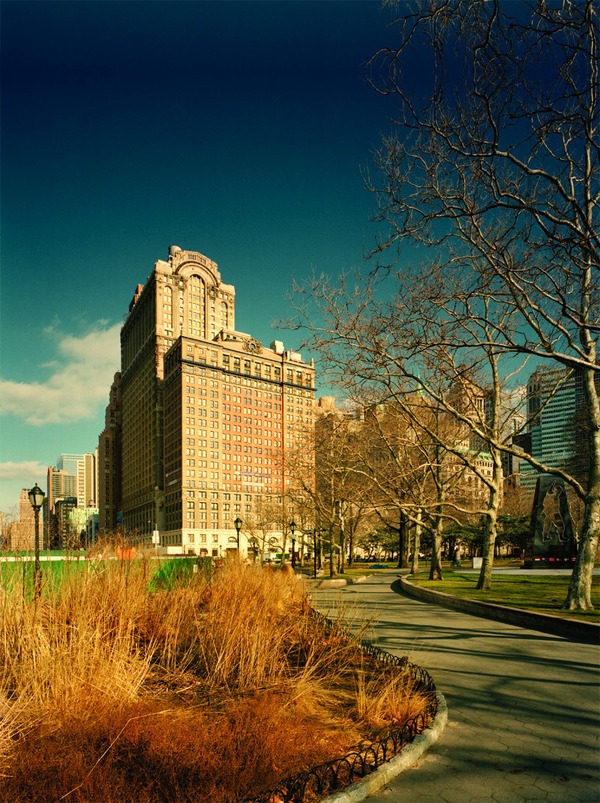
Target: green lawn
column 164, row 573
column 18, row 575
column 543, row 593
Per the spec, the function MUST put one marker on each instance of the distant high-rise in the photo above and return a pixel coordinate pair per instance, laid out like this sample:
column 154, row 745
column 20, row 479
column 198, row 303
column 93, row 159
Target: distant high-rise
column 84, row 468
column 61, row 485
column 556, row 407
column 72, row 483
column 22, row 531
column 551, row 398
column 208, row 413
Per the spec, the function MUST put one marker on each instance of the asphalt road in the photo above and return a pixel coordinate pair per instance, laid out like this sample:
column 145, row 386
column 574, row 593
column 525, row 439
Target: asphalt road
column 523, row 706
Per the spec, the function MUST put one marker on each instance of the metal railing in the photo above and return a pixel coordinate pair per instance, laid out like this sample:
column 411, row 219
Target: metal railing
column 320, row 781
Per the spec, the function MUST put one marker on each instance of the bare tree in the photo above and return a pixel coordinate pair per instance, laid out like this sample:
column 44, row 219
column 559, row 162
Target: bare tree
column 263, row 524
column 406, row 468
column 496, row 167
column 324, row 490
column 406, row 340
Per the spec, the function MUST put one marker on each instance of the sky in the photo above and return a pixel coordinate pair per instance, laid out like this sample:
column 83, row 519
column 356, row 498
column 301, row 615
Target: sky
column 238, row 128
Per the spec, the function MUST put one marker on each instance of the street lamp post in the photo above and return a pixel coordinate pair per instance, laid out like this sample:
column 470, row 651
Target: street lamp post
column 238, row 526
column 293, row 530
column 36, row 497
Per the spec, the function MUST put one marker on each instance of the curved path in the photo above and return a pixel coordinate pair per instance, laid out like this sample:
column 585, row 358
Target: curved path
column 523, row 706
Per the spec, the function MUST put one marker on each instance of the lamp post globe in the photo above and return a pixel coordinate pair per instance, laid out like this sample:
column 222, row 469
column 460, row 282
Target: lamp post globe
column 238, row 526
column 36, row 498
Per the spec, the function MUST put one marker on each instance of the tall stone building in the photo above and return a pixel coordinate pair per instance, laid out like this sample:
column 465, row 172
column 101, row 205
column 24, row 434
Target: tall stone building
column 109, row 463
column 208, row 414
column 22, row 531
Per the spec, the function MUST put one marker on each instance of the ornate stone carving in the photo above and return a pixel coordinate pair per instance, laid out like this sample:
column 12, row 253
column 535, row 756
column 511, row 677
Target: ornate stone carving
column 252, row 345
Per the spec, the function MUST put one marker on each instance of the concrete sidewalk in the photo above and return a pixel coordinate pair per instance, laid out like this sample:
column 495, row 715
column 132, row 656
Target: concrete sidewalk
column 523, row 706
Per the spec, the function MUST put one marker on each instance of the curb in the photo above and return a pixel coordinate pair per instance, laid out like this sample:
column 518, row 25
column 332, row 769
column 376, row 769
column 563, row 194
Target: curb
column 340, row 582
column 405, row 759
column 585, row 632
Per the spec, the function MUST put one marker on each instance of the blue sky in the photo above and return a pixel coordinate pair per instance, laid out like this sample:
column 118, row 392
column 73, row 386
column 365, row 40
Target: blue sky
column 236, row 128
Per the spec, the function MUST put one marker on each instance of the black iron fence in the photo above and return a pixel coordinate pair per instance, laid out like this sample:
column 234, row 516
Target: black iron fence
column 324, row 779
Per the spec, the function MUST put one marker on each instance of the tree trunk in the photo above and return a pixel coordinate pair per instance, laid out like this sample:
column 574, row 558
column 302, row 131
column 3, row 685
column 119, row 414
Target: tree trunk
column 435, row 570
column 416, row 544
column 331, row 572
column 579, row 595
column 402, row 542
column 490, row 531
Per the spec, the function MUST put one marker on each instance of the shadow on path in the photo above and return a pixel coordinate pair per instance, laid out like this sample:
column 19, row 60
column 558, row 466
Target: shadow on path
column 523, row 706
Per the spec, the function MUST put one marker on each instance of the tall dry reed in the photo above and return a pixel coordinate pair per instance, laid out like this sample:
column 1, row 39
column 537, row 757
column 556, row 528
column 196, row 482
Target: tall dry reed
column 209, row 690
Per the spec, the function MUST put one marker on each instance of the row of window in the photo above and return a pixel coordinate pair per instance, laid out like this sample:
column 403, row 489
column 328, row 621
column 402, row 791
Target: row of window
column 259, row 371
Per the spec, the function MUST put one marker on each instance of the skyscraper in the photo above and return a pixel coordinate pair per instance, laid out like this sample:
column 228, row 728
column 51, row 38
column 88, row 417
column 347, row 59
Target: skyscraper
column 556, row 408
column 84, row 468
column 208, row 413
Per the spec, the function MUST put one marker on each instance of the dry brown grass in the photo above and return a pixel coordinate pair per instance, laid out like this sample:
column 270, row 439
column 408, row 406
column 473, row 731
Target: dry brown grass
column 211, row 691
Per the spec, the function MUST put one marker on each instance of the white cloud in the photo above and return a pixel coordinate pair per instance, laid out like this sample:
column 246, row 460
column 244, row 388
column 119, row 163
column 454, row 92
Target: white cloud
column 14, row 476
column 83, row 372
column 25, row 470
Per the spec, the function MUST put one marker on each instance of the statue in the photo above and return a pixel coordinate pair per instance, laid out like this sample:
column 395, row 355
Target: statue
column 551, row 542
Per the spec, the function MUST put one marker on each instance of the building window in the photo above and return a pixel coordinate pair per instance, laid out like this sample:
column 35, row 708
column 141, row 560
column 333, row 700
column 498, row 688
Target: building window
column 195, row 305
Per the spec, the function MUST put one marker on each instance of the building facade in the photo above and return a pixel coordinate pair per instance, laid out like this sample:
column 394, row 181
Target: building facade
column 208, row 414
column 109, row 463
column 559, row 423
column 22, row 531
column 552, row 402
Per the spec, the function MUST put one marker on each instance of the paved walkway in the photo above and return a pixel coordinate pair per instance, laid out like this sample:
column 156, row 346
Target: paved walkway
column 523, row 706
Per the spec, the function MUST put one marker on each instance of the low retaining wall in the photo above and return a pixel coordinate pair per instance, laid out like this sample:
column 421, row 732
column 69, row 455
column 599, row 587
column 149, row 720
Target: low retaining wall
column 573, row 629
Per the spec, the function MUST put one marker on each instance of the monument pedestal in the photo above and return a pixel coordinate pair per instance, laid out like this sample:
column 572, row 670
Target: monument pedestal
column 551, row 543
